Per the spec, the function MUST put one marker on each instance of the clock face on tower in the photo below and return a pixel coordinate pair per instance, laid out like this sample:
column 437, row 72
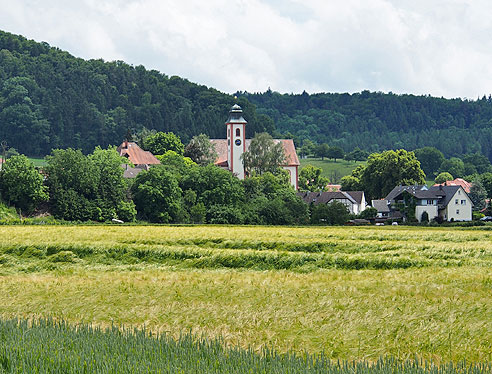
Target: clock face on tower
column 237, row 142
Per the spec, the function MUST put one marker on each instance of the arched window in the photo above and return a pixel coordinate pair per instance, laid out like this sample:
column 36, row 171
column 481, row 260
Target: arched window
column 238, row 132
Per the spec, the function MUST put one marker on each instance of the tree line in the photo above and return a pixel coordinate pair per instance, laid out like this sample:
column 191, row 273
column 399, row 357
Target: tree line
column 185, row 188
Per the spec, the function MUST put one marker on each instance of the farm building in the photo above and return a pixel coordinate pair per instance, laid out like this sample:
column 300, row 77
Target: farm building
column 230, row 150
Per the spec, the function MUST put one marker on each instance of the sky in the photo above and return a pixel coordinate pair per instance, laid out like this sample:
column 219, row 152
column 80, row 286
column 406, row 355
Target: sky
column 436, row 47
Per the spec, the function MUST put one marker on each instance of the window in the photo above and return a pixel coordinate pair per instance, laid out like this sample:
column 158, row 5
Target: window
column 463, row 202
column 456, row 201
column 228, row 133
column 238, row 132
column 457, row 211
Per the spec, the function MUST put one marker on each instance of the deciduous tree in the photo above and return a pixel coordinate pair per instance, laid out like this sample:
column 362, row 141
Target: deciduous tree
column 201, row 150
column 386, row 170
column 263, row 155
column 443, row 177
column 310, row 179
column 430, row 159
column 21, row 184
column 161, row 142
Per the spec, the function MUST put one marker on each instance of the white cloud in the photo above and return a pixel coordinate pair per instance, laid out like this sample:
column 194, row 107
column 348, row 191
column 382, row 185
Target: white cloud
column 406, row 46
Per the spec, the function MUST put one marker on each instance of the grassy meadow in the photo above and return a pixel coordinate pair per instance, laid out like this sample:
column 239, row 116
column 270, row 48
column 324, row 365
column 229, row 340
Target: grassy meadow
column 355, row 293
column 341, row 167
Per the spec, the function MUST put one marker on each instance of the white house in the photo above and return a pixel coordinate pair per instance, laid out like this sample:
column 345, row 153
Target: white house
column 230, row 150
column 355, row 201
column 450, row 203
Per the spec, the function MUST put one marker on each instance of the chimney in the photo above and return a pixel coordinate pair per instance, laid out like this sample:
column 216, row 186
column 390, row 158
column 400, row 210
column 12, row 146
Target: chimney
column 125, row 145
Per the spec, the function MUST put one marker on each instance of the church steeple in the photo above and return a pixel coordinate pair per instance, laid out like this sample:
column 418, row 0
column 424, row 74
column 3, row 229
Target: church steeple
column 236, row 137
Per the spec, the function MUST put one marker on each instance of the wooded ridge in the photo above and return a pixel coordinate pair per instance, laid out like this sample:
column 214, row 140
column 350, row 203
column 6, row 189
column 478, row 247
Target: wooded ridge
column 51, row 99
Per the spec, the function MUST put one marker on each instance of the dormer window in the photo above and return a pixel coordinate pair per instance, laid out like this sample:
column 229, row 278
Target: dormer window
column 238, row 132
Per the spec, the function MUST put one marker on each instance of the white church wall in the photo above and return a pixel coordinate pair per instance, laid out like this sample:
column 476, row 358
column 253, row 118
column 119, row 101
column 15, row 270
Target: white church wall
column 293, row 175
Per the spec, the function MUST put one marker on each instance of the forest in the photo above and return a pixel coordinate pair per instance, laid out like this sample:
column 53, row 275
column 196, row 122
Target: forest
column 376, row 121
column 51, row 99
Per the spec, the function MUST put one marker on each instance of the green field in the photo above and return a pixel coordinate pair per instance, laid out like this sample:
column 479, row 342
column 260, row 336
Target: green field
column 352, row 293
column 38, row 161
column 330, row 168
column 49, row 346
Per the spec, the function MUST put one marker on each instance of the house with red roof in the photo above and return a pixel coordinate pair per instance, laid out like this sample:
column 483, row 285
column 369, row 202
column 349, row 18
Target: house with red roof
column 230, row 150
column 137, row 156
column 457, row 182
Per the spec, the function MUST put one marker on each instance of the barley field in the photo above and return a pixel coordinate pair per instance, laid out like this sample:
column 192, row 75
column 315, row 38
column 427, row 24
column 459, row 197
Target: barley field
column 351, row 293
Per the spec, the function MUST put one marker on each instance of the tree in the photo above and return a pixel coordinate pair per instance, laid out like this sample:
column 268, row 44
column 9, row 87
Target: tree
column 430, row 159
column 350, row 183
column 425, row 217
column 307, row 148
column 479, row 162
column 310, row 179
column 334, row 153
column 175, row 163
column 443, row 177
column 213, row 186
column 386, row 170
column 87, row 187
column 72, row 185
column 453, row 166
column 161, row 142
column 201, row 150
column 263, row 155
column 21, row 184
column 477, row 195
column 322, row 150
column 283, row 207
column 157, row 195
column 486, row 180
column 334, row 213
column 111, row 187
column 368, row 213
column 356, row 155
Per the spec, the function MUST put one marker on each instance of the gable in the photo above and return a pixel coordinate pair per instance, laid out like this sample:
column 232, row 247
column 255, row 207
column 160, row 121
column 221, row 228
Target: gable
column 287, row 144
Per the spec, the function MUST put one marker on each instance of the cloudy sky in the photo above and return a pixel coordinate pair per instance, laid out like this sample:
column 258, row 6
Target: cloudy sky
column 437, row 47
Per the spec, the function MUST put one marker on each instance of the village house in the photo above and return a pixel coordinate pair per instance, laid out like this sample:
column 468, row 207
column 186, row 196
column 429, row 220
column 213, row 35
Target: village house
column 355, row 201
column 230, row 150
column 458, row 182
column 142, row 160
column 448, row 203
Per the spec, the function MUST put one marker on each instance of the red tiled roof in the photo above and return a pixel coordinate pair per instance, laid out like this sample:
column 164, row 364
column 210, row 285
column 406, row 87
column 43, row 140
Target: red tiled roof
column 288, row 144
column 458, row 182
column 221, row 148
column 333, row 187
column 136, row 155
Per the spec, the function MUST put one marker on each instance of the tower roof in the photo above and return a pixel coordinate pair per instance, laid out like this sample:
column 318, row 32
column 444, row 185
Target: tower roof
column 236, row 115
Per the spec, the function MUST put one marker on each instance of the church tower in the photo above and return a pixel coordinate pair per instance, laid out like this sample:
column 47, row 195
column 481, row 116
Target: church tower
column 236, row 137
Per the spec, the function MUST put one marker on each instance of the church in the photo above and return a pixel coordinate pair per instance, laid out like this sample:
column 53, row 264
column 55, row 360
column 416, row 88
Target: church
column 230, row 150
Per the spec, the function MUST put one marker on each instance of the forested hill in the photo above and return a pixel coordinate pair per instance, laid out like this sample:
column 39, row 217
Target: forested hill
column 50, row 99
column 378, row 121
